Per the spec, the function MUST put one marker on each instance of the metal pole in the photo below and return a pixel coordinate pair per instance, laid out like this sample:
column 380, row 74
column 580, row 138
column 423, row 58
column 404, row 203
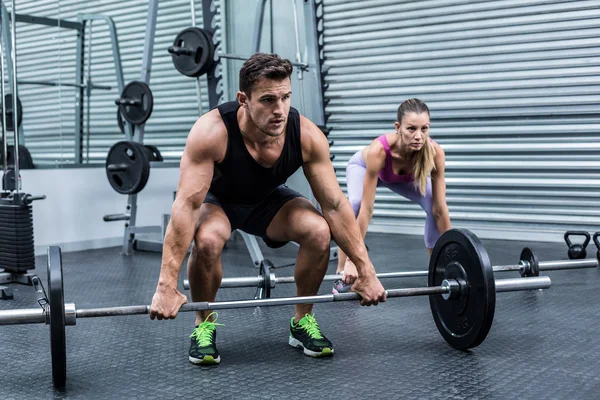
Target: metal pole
column 112, row 30
column 22, row 316
column 328, row 298
column 231, row 56
column 88, row 93
column 570, row 264
column 4, row 141
column 298, row 58
column 260, row 12
column 37, row 315
column 502, row 285
column 6, row 41
column 52, row 83
column 241, row 282
column 148, row 50
column 198, row 91
column 543, row 266
column 14, row 97
column 79, row 93
column 516, row 284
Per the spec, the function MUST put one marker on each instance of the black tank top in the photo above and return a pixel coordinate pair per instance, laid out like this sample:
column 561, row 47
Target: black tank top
column 239, row 179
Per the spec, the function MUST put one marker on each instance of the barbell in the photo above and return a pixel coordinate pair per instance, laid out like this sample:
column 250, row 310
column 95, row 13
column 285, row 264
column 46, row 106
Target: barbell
column 527, row 266
column 461, row 289
column 193, row 53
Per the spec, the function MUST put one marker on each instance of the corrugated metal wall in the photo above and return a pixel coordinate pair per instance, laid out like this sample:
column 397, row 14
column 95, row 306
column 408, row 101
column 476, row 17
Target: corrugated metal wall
column 513, row 88
column 49, row 53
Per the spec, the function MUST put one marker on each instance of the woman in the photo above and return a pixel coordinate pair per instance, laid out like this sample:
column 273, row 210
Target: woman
column 407, row 162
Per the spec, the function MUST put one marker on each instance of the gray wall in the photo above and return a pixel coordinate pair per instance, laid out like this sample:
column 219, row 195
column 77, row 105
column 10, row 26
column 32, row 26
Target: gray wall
column 49, row 53
column 513, row 91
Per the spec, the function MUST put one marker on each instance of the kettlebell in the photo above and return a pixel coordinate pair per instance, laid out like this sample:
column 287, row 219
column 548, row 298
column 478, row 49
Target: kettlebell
column 577, row 251
column 597, row 243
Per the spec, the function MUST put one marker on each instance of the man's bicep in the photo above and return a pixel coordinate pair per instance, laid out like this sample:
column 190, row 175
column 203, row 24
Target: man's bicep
column 196, row 168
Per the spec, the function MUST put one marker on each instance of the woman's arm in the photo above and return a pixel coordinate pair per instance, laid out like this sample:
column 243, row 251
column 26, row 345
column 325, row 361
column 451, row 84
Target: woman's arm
column 438, row 188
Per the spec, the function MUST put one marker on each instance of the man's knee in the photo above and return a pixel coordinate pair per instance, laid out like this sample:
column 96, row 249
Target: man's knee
column 319, row 236
column 208, row 245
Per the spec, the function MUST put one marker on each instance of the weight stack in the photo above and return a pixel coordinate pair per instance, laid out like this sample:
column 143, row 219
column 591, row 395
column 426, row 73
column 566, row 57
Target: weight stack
column 17, row 254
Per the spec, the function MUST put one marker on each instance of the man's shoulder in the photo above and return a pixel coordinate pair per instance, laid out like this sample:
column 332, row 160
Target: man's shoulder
column 209, row 135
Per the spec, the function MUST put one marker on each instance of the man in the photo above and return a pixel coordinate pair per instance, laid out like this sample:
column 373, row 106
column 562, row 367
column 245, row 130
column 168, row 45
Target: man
column 233, row 169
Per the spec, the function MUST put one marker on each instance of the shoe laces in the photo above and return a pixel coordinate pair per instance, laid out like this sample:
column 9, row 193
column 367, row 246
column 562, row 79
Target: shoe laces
column 204, row 332
column 310, row 325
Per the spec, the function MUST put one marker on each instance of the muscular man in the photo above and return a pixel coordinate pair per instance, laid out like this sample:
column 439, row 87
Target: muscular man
column 233, row 169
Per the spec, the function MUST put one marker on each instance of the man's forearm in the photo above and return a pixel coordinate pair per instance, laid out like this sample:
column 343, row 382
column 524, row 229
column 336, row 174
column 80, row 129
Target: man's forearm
column 177, row 241
column 347, row 235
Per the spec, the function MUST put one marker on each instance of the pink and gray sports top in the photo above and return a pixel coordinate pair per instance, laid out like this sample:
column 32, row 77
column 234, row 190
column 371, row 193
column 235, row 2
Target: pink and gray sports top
column 387, row 173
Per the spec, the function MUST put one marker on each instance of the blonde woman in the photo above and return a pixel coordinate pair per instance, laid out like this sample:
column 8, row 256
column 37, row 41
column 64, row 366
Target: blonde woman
column 407, row 162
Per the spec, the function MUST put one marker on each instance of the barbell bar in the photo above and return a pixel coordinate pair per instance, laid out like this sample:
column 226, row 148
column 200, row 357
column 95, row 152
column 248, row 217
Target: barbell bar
column 193, row 53
column 230, row 56
column 461, row 290
column 448, row 287
column 527, row 266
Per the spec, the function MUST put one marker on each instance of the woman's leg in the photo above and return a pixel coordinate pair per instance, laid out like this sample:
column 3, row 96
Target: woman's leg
column 408, row 190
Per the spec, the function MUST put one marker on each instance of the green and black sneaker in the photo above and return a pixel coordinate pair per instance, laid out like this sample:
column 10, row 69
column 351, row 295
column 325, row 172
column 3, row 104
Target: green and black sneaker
column 307, row 335
column 203, row 349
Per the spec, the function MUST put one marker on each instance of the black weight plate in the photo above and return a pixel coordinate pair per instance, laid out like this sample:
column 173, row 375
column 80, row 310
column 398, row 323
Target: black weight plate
column 10, row 242
column 17, row 231
column 23, row 234
column 14, row 209
column 135, row 177
column 14, row 237
column 7, row 251
column 146, row 171
column 18, row 268
column 9, row 114
column 464, row 322
column 20, row 260
column 15, row 224
column 57, row 317
column 16, row 213
column 19, row 264
column 12, row 222
column 153, row 153
column 529, row 256
column 16, row 248
column 9, row 221
column 199, row 42
column 140, row 92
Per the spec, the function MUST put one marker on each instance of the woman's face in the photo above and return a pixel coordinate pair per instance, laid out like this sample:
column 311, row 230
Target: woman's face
column 413, row 130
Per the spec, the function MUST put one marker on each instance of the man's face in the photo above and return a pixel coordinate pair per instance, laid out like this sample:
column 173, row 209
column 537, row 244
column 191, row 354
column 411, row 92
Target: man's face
column 269, row 105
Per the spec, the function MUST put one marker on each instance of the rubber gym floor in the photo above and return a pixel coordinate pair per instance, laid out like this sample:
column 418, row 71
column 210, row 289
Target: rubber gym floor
column 542, row 345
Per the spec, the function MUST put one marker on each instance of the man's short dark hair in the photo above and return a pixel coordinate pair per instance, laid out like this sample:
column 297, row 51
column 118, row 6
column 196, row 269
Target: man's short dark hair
column 263, row 65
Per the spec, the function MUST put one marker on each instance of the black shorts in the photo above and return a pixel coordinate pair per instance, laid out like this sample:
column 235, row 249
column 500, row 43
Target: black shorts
column 255, row 218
